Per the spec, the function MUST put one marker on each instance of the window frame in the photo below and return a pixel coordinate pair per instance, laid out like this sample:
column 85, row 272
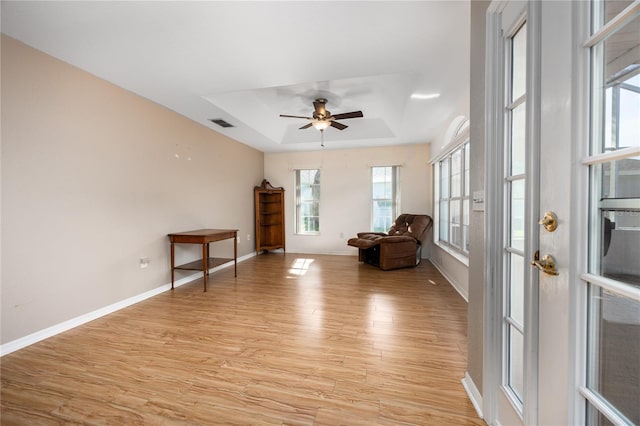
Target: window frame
column 394, row 198
column 461, row 144
column 299, row 201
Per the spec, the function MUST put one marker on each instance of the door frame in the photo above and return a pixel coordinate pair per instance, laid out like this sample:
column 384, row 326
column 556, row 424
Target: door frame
column 495, row 215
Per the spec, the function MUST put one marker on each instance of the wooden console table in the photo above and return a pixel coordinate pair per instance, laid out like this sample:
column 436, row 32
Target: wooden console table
column 204, row 237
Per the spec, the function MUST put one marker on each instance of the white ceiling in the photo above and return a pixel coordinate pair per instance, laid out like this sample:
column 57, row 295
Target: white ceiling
column 248, row 62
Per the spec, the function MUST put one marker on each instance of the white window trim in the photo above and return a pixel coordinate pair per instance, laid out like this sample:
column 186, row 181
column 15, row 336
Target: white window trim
column 461, row 138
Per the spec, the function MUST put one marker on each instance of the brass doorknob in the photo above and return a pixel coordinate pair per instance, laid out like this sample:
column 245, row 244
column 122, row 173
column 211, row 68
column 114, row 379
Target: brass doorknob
column 547, row 264
column 549, row 221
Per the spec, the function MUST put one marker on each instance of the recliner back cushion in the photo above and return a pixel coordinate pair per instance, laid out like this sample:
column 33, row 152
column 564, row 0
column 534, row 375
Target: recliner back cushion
column 411, row 225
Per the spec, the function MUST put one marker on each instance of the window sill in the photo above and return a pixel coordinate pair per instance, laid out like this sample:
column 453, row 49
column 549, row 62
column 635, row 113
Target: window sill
column 455, row 254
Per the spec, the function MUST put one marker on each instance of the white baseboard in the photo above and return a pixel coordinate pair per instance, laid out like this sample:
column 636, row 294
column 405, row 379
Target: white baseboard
column 473, row 393
column 332, row 253
column 32, row 338
column 457, row 287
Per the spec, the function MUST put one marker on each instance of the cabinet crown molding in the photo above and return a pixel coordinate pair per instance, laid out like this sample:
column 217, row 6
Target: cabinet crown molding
column 267, row 186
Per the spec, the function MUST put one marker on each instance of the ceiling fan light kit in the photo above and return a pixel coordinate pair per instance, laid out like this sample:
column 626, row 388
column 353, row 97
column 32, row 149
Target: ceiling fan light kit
column 322, row 119
column 321, row 124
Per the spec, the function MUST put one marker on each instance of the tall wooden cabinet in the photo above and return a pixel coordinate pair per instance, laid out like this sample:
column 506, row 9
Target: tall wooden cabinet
column 269, row 205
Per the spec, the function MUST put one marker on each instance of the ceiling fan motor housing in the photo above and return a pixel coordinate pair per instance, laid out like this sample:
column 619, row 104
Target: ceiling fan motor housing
column 321, row 112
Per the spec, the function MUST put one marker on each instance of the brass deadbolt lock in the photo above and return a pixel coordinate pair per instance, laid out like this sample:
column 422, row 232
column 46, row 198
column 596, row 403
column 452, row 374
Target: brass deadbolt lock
column 549, row 221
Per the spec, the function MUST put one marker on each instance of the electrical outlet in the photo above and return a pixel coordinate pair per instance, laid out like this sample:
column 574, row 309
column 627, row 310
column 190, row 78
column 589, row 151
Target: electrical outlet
column 248, row 237
column 144, row 262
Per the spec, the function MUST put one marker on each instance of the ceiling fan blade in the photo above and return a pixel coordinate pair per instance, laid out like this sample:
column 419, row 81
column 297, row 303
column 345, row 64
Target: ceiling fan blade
column 338, row 126
column 319, row 105
column 354, row 114
column 295, row 116
column 306, row 126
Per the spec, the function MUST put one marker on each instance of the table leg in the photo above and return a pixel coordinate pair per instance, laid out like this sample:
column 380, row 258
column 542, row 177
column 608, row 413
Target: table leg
column 235, row 255
column 208, row 255
column 205, row 264
column 172, row 263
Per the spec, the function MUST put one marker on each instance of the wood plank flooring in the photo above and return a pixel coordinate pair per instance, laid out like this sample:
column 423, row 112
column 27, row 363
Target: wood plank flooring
column 294, row 339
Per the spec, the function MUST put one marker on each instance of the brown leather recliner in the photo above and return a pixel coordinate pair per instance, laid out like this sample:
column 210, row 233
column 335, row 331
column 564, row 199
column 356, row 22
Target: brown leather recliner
column 401, row 247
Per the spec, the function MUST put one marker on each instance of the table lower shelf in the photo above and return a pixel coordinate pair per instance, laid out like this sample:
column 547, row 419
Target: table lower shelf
column 196, row 265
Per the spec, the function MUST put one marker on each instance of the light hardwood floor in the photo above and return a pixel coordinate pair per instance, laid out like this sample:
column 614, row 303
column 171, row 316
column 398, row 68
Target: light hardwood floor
column 294, row 339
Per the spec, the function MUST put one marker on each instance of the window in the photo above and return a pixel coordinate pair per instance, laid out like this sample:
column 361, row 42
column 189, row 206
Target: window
column 384, row 195
column 451, row 211
column 308, row 201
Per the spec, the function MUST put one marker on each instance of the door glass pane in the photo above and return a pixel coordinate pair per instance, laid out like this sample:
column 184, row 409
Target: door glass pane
column 617, row 88
column 614, row 341
column 629, row 120
column 516, row 364
column 516, row 293
column 518, row 134
column 619, row 219
column 519, row 73
column 606, row 10
column 517, row 214
column 621, row 179
column 620, row 247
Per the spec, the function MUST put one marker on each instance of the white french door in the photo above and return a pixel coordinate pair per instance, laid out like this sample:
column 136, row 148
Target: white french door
column 609, row 386
column 512, row 172
column 570, row 354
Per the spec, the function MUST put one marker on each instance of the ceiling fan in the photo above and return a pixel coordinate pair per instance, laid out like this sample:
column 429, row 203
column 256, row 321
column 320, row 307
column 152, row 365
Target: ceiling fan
column 323, row 119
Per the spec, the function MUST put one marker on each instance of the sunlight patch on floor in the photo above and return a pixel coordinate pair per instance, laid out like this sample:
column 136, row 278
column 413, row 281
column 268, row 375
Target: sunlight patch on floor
column 300, row 266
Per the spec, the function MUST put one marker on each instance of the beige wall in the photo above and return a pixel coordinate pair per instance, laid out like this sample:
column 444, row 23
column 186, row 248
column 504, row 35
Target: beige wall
column 476, row 235
column 345, row 194
column 469, row 279
column 93, row 178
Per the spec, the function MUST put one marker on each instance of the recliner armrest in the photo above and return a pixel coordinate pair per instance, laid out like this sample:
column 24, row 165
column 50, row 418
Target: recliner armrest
column 364, row 234
column 398, row 239
column 365, row 242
